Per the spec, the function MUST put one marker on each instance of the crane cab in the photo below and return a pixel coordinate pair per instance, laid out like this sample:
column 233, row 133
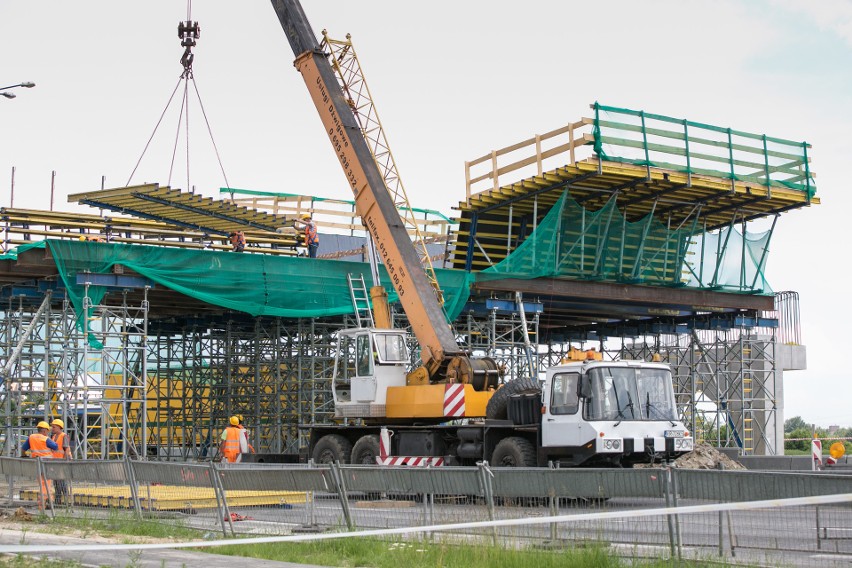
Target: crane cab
column 368, row 362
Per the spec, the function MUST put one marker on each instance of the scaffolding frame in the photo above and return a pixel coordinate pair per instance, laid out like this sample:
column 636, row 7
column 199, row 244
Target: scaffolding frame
column 196, row 372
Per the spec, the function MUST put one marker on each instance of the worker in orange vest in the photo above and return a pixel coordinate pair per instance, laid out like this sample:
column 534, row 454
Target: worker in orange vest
column 238, row 241
column 40, row 446
column 311, row 236
column 58, row 435
column 233, row 443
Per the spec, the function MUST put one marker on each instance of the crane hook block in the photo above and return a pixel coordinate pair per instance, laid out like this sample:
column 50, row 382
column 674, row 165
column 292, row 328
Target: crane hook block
column 188, row 32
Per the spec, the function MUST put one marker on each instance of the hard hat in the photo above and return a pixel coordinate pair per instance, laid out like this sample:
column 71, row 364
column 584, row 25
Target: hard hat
column 306, row 216
column 58, row 422
column 240, row 418
column 82, row 237
column 43, row 424
column 235, row 421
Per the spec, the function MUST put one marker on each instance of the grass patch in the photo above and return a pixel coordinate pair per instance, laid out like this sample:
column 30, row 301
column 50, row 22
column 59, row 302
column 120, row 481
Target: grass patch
column 372, row 553
column 126, row 524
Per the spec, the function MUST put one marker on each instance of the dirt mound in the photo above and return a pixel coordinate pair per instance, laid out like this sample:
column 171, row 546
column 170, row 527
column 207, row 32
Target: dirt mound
column 706, row 457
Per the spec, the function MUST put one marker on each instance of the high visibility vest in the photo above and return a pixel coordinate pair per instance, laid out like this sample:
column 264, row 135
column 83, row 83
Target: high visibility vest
column 311, row 237
column 231, row 447
column 238, row 239
column 38, row 446
column 60, row 440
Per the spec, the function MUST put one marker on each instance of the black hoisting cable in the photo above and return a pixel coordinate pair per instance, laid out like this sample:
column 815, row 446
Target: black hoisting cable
column 188, row 32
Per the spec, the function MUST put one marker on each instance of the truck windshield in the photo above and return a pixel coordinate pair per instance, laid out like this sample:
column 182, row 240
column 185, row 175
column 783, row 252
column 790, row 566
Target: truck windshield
column 630, row 393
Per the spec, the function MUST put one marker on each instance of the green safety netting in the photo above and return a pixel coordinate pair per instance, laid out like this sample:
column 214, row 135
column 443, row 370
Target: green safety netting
column 574, row 242
column 640, row 138
column 257, row 284
column 12, row 254
column 729, row 260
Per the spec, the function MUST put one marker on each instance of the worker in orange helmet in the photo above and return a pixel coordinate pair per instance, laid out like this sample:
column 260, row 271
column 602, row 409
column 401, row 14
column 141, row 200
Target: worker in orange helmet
column 58, row 435
column 40, row 446
column 311, row 236
column 233, row 443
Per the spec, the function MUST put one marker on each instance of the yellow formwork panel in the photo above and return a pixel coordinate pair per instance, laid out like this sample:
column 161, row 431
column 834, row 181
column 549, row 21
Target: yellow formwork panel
column 170, row 497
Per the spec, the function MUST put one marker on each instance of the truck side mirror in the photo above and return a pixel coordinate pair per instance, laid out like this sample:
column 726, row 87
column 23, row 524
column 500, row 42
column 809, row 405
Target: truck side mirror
column 584, row 387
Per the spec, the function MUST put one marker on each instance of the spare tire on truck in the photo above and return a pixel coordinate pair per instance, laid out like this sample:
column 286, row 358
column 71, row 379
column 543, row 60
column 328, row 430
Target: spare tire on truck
column 497, row 408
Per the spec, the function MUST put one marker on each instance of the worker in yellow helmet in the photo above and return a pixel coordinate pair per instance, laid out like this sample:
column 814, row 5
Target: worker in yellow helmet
column 58, row 435
column 40, row 446
column 233, row 443
column 311, row 236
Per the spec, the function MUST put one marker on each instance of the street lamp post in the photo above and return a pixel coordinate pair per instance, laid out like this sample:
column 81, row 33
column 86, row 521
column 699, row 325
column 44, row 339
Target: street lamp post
column 26, row 84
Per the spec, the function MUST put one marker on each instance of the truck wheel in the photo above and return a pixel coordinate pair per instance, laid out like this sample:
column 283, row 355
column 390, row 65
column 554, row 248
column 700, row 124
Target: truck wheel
column 366, row 450
column 332, row 448
column 514, row 452
column 499, row 403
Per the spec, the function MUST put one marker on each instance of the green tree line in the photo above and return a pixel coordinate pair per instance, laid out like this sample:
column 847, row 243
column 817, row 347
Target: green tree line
column 796, row 427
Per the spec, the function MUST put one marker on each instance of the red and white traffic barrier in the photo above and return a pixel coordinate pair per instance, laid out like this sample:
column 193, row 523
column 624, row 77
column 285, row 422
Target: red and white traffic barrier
column 816, row 453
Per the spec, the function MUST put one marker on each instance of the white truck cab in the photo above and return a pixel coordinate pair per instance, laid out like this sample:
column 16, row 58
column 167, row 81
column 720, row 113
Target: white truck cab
column 624, row 409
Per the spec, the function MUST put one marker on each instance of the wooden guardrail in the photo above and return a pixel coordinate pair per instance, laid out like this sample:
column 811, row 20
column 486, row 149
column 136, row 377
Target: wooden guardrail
column 563, row 142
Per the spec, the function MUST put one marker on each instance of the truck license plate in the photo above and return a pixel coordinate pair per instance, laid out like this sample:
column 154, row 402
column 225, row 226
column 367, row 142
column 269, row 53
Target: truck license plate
column 673, row 433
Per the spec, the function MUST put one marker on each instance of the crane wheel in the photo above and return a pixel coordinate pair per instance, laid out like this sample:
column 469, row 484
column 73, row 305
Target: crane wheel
column 513, row 452
column 366, row 450
column 498, row 405
column 332, row 448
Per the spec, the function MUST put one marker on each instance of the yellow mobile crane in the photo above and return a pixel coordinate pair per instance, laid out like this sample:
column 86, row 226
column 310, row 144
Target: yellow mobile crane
column 442, row 359
column 587, row 412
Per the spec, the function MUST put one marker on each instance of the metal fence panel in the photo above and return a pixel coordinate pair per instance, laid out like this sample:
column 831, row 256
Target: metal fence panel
column 275, row 498
column 169, row 473
column 19, row 467
column 578, row 483
column 86, row 471
column 732, row 486
column 277, row 477
column 181, row 490
column 413, row 480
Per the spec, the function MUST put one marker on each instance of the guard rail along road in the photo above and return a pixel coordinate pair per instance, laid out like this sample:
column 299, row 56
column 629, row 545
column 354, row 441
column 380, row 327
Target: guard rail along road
column 702, row 512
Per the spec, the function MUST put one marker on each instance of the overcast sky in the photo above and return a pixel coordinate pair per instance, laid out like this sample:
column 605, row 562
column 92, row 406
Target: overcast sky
column 451, row 80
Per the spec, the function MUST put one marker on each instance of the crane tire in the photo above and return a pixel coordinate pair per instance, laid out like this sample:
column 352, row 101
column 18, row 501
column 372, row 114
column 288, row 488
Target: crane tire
column 366, row 450
column 514, row 452
column 332, row 448
column 498, row 405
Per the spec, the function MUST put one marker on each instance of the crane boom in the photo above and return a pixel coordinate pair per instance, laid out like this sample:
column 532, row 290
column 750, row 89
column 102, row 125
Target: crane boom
column 373, row 202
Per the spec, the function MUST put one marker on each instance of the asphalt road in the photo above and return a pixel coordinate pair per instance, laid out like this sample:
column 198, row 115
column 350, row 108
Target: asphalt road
column 138, row 559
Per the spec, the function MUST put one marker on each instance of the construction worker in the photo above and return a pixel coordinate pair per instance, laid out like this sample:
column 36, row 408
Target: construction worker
column 238, row 241
column 311, row 237
column 245, row 433
column 40, row 446
column 234, row 443
column 58, row 435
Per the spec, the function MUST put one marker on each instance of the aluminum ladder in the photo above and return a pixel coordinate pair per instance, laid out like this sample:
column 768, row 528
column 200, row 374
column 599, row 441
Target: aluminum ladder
column 360, row 300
